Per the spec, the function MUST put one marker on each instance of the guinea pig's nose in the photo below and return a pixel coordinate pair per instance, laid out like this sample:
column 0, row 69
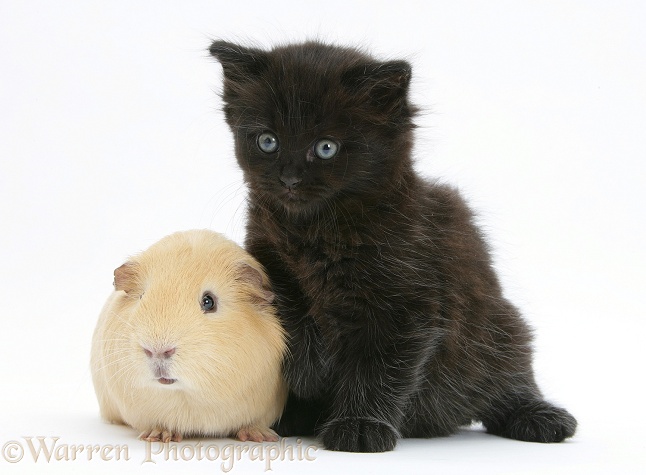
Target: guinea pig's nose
column 161, row 353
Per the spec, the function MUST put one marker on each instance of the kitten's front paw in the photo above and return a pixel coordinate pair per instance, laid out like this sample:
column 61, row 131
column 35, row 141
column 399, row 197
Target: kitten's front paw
column 160, row 435
column 359, row 435
column 257, row 434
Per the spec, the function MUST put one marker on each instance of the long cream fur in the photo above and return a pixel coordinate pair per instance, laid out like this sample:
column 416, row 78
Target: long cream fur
column 227, row 364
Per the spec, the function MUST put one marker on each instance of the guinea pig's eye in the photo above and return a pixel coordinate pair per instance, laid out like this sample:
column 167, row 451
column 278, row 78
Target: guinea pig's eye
column 326, row 149
column 209, row 303
column 267, row 142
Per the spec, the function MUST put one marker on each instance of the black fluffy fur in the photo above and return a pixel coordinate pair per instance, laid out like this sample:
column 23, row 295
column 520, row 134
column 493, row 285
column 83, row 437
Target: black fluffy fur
column 397, row 323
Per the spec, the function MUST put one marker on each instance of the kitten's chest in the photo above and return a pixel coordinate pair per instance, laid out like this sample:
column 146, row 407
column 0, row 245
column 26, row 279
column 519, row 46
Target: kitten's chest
column 317, row 263
column 326, row 265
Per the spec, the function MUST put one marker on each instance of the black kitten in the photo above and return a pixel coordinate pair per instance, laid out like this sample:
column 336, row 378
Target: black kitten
column 397, row 323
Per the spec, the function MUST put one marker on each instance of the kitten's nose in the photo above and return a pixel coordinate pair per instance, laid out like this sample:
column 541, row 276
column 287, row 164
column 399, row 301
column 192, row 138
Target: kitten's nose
column 290, row 182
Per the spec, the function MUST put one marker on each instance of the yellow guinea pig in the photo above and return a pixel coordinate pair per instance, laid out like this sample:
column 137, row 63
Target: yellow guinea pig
column 189, row 344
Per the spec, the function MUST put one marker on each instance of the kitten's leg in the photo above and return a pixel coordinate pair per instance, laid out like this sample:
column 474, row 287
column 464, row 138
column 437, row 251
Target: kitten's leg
column 515, row 406
column 375, row 379
column 300, row 417
column 305, row 366
column 529, row 418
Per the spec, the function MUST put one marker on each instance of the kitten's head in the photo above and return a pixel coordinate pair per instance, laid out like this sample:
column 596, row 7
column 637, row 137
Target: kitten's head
column 314, row 122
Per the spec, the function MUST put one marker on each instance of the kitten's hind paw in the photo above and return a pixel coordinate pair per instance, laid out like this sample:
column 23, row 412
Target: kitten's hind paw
column 537, row 421
column 358, row 435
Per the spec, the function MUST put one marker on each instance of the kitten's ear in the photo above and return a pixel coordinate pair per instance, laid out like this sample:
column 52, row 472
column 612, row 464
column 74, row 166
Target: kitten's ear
column 238, row 62
column 383, row 84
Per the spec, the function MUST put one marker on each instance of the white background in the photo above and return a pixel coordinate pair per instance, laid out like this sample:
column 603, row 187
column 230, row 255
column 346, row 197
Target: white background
column 111, row 136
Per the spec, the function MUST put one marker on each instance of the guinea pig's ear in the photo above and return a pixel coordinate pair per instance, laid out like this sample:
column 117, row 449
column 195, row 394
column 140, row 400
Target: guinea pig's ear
column 125, row 277
column 258, row 281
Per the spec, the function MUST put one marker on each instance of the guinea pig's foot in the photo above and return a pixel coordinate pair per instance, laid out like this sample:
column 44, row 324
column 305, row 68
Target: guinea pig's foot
column 257, row 434
column 159, row 435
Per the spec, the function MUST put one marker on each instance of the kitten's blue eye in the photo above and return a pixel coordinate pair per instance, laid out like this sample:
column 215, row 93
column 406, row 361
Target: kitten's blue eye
column 267, row 142
column 326, row 149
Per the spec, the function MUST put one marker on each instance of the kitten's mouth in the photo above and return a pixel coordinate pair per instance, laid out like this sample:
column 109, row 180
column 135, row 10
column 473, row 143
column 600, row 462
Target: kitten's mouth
column 291, row 195
column 293, row 199
column 166, row 381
